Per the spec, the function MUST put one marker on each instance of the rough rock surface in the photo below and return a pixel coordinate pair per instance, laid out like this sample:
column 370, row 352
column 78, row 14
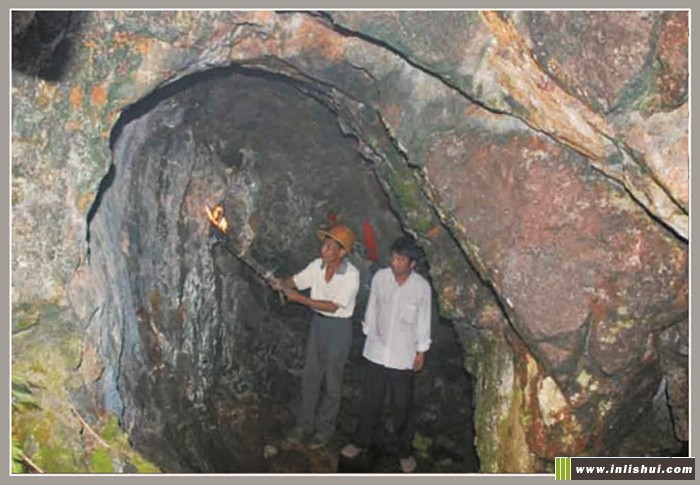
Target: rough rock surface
column 544, row 171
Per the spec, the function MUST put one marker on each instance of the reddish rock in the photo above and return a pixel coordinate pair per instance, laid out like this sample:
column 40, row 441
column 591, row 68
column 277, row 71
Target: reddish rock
column 602, row 53
column 560, row 243
column 555, row 354
column 673, row 350
column 671, row 84
column 662, row 142
column 614, row 345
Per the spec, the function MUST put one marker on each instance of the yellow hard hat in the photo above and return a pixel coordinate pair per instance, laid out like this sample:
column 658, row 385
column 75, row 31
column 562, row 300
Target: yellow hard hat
column 340, row 233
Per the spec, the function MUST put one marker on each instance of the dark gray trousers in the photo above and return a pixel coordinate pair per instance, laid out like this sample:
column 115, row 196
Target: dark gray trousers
column 376, row 381
column 327, row 350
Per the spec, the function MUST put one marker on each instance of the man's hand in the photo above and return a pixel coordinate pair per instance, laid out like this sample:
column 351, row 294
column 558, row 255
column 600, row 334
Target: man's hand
column 275, row 283
column 419, row 361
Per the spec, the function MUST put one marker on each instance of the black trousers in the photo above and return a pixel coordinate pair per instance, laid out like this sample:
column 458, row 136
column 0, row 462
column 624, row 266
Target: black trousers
column 377, row 380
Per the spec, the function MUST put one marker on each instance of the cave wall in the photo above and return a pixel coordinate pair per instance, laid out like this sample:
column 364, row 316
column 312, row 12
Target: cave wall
column 556, row 159
column 197, row 329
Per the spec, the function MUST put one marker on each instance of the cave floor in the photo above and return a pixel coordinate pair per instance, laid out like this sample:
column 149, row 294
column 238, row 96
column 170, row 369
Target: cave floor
column 297, row 458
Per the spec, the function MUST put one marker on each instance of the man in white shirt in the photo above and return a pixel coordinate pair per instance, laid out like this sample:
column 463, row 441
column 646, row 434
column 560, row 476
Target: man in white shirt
column 334, row 283
column 397, row 326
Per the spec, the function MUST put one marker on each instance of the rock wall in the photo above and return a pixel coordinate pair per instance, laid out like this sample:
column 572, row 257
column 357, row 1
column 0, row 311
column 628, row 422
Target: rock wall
column 544, row 170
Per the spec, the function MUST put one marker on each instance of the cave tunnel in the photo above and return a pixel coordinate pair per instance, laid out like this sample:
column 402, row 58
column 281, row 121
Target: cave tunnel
column 207, row 374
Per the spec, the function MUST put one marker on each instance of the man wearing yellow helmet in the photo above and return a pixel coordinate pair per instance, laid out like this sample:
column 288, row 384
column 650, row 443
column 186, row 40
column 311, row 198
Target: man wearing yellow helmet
column 334, row 283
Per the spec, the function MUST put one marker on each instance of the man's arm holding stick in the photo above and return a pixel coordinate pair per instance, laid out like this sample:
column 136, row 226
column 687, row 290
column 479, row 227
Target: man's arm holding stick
column 289, row 289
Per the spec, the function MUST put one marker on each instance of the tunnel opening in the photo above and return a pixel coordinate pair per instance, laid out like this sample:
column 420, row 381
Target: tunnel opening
column 203, row 360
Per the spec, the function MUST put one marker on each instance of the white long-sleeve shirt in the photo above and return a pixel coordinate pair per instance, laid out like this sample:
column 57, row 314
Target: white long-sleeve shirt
column 397, row 320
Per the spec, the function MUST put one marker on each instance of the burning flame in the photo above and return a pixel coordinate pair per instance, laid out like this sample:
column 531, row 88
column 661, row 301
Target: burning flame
column 217, row 219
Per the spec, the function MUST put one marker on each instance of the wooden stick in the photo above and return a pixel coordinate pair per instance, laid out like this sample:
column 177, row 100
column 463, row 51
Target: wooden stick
column 87, row 426
column 29, row 462
column 252, row 264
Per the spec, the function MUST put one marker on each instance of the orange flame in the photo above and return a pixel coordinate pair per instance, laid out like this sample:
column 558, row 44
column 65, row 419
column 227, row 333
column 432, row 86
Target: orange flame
column 217, row 219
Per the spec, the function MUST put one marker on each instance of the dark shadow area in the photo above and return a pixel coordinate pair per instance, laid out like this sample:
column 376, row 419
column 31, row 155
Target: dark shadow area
column 105, row 184
column 44, row 42
column 684, row 451
column 163, row 93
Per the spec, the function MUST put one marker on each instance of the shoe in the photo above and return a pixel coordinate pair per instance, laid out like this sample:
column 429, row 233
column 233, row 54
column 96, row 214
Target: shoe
column 317, row 442
column 408, row 465
column 296, row 435
column 351, row 451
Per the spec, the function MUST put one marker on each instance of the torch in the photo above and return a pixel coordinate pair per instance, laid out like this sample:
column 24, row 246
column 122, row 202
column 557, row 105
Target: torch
column 218, row 221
